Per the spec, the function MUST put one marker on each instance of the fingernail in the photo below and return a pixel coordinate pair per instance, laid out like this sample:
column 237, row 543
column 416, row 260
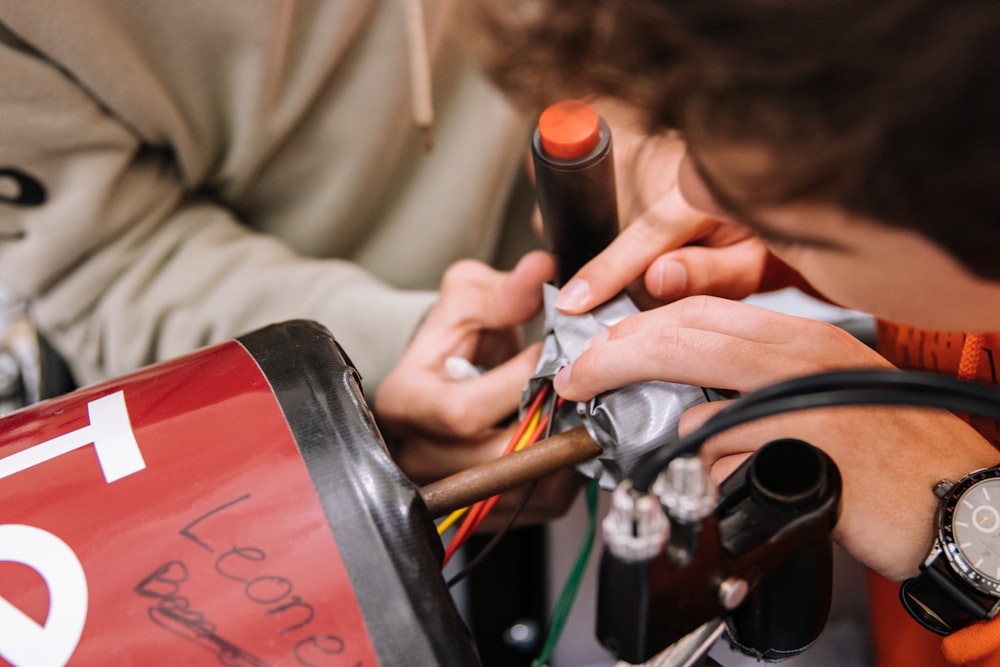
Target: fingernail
column 671, row 279
column 573, row 295
column 595, row 339
column 561, row 378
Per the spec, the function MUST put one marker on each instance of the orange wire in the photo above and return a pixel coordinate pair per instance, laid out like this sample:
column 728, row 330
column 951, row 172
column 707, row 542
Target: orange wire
column 475, row 516
column 522, row 442
column 489, row 503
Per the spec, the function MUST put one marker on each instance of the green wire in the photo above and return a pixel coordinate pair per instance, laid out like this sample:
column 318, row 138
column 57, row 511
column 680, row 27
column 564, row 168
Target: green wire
column 573, row 581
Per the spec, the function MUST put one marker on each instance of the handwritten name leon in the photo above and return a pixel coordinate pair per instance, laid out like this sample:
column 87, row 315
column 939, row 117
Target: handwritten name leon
column 274, row 595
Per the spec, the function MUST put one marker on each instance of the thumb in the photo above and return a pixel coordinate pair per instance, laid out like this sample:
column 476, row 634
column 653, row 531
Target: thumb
column 667, row 225
column 731, row 272
column 495, row 394
column 519, row 297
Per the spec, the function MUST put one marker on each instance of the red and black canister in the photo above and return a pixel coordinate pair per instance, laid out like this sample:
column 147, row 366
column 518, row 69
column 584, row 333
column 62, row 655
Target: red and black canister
column 236, row 506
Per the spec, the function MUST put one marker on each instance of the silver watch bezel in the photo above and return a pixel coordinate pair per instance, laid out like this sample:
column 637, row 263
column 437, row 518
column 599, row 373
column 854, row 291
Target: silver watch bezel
column 945, row 543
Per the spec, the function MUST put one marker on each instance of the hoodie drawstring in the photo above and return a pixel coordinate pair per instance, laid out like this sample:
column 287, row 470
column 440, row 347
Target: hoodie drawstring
column 420, row 71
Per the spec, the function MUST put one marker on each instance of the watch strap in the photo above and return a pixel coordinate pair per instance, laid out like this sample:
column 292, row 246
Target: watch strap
column 941, row 601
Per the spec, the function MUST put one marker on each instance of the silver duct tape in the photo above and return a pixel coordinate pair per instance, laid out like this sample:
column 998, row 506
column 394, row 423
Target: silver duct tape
column 628, row 422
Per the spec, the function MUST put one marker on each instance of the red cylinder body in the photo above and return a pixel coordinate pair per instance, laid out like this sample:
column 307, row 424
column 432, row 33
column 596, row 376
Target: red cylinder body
column 236, row 506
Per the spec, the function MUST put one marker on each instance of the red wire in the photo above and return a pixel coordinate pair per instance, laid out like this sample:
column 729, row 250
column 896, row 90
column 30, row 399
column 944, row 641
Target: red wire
column 486, row 506
column 477, row 513
column 490, row 503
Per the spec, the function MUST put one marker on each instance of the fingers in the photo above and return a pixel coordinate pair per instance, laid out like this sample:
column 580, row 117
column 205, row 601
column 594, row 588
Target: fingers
column 696, row 416
column 422, row 397
column 667, row 225
column 466, row 407
column 713, row 314
column 478, row 307
column 710, row 342
column 732, row 272
column 681, row 355
column 476, row 301
column 484, row 298
column 442, row 425
column 520, row 297
column 726, row 466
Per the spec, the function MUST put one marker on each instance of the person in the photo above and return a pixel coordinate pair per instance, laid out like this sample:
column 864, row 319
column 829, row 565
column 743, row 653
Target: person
column 176, row 174
column 841, row 146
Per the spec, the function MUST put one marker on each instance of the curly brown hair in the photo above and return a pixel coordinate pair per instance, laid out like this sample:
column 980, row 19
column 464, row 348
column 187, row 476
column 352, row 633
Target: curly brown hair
column 887, row 109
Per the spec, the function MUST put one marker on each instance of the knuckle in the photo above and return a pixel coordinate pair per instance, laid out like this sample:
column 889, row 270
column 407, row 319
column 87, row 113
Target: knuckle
column 704, row 311
column 659, row 345
column 457, row 419
column 694, row 308
column 461, row 272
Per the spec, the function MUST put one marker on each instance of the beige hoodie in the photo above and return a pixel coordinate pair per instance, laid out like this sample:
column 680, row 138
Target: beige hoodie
column 176, row 173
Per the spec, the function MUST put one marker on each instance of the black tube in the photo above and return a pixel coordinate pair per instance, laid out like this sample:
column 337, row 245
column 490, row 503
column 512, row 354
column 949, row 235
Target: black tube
column 577, row 202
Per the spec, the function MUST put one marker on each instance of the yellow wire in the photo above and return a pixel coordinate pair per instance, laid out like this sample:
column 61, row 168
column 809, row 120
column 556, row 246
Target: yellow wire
column 452, row 518
column 522, row 442
column 530, row 431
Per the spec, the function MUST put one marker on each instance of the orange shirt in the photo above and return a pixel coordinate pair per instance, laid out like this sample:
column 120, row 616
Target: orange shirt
column 968, row 356
column 898, row 640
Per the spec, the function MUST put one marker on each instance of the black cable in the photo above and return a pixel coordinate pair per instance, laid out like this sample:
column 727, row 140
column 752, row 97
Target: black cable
column 551, row 411
column 480, row 556
column 489, row 546
column 838, row 388
column 867, row 379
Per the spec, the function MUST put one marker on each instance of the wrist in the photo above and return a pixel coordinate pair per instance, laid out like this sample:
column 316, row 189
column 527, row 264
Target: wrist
column 959, row 581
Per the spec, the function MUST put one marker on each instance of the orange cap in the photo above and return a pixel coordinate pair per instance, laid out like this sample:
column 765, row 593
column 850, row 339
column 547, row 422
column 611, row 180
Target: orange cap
column 569, row 129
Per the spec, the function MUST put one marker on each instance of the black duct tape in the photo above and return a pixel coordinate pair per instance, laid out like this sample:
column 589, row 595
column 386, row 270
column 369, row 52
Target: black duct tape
column 386, row 537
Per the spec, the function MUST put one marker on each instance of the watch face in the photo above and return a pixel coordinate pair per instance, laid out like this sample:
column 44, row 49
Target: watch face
column 971, row 529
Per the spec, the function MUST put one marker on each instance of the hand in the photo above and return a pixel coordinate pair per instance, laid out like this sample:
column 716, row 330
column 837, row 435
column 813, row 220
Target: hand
column 441, row 425
column 889, row 458
column 670, row 249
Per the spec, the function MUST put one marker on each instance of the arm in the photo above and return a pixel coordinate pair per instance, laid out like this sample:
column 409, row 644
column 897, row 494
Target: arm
column 890, row 458
column 126, row 265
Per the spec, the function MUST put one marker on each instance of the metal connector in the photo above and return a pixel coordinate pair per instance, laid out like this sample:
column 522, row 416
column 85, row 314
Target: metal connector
column 687, row 492
column 636, row 527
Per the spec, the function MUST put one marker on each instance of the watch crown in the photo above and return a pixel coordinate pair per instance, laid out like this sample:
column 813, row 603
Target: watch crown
column 942, row 488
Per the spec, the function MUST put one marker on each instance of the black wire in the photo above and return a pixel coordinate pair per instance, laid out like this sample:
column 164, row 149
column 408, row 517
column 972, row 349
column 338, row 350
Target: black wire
column 489, row 546
column 551, row 410
column 868, row 379
column 838, row 388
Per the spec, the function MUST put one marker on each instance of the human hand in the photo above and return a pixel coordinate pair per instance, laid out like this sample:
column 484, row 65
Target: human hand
column 441, row 425
column 671, row 248
column 889, row 458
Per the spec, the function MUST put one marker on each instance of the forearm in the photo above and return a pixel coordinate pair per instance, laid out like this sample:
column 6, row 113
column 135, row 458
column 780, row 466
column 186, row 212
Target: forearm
column 201, row 277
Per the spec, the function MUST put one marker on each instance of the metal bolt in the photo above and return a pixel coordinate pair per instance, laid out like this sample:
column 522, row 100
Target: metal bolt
column 635, row 527
column 686, row 490
column 522, row 636
column 732, row 592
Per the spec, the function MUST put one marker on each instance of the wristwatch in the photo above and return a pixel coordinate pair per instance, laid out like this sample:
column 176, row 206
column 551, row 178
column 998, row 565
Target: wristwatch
column 959, row 582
